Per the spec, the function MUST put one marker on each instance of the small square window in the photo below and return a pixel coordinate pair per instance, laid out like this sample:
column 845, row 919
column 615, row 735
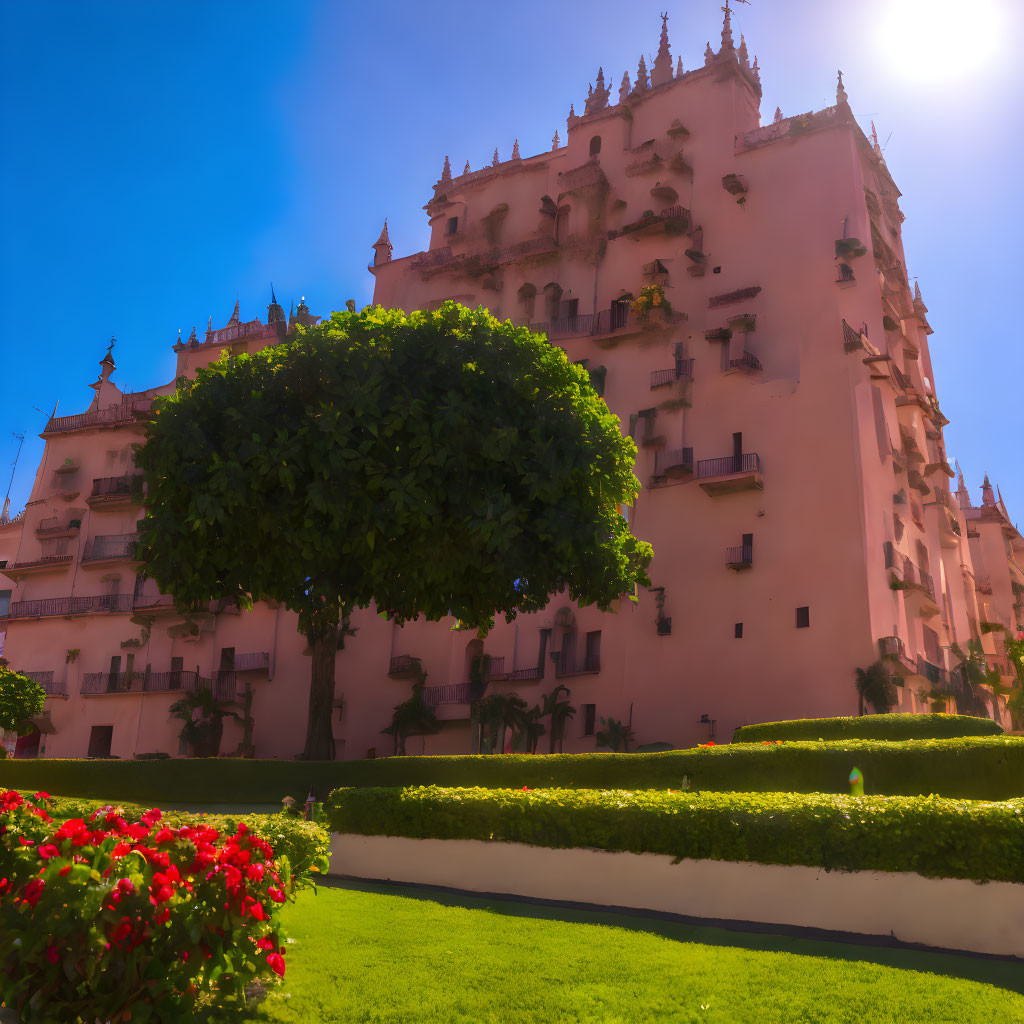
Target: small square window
column 452, row 226
column 737, row 631
column 803, row 617
column 589, row 719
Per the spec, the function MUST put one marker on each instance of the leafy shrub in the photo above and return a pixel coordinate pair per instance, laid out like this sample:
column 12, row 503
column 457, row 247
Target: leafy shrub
column 870, row 727
column 108, row 919
column 21, row 698
column 979, row 768
column 929, row 835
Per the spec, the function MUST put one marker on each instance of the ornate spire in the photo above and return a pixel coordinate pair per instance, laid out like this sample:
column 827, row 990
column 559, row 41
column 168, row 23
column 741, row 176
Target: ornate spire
column 742, row 51
column 107, row 365
column 209, row 325
column 679, row 67
column 554, row 141
column 465, row 170
column 755, row 70
column 273, row 297
column 962, row 496
column 709, row 55
column 446, row 171
column 572, row 115
column 192, row 339
column 382, row 247
column 661, row 72
column 874, row 140
column 515, row 151
column 842, row 100
column 624, row 87
column 495, row 161
column 727, row 43
column 597, row 98
column 641, row 76
column 234, row 315
column 987, row 497
column 778, row 114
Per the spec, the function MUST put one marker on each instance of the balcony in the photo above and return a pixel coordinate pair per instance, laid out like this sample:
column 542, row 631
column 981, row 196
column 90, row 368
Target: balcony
column 114, row 548
column 116, row 490
column 893, row 649
column 45, row 563
column 585, row 176
column 673, row 462
column 672, row 220
column 175, row 681
column 578, row 326
column 747, row 363
column 257, row 662
column 403, row 665
column 730, row 474
column 147, row 598
column 683, row 370
column 567, row 664
column 917, row 579
column 66, row 525
column 739, row 558
column 59, row 606
column 50, row 687
column 934, row 674
column 112, row 416
column 525, row 675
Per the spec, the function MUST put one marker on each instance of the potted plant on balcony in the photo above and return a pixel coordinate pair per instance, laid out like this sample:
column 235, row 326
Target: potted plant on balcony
column 651, row 302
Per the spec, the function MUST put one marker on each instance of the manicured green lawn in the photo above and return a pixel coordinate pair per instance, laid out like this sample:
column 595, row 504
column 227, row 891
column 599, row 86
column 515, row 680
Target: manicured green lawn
column 372, row 953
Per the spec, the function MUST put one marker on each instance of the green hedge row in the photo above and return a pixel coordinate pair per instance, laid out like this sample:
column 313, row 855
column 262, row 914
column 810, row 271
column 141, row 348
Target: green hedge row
column 930, row 835
column 978, row 768
column 870, row 727
column 305, row 843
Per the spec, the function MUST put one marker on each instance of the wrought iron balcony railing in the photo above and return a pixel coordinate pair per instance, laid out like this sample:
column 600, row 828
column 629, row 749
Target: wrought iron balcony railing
column 222, row 685
column 56, row 606
column 673, row 460
column 568, row 665
column 746, row 463
column 257, row 662
column 741, row 556
column 126, row 412
column 112, row 546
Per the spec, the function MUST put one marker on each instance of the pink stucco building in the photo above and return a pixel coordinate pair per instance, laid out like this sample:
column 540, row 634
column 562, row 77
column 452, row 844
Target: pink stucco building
column 796, row 486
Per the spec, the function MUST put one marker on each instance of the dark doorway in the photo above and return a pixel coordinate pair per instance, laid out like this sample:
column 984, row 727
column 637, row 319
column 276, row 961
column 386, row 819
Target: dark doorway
column 100, row 739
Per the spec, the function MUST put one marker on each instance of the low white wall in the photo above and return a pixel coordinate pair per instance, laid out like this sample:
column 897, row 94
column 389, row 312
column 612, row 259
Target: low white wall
column 948, row 913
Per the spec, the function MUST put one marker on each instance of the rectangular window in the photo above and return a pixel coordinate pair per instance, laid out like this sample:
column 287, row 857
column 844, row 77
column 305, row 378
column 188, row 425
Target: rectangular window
column 589, row 719
column 5, row 600
column 100, row 739
column 803, row 617
column 452, row 226
column 176, row 666
column 737, row 631
column 594, row 651
column 227, row 659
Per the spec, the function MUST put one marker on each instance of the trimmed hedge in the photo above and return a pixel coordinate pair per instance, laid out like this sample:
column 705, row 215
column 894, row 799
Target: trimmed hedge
column 930, row 835
column 978, row 768
column 305, row 843
column 870, row 727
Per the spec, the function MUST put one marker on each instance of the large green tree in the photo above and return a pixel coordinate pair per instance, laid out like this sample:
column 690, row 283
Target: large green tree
column 21, row 698
column 437, row 463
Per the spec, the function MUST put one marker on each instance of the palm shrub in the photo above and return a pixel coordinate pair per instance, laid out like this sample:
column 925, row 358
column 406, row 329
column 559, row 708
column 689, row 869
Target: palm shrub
column 560, row 711
column 615, row 735
column 875, row 687
column 412, row 717
column 202, row 716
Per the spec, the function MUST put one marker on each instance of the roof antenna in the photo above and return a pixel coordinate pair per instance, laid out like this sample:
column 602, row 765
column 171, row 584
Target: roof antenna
column 14, row 466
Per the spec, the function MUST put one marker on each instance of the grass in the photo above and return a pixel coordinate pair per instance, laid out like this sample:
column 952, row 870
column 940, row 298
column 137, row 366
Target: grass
column 375, row 953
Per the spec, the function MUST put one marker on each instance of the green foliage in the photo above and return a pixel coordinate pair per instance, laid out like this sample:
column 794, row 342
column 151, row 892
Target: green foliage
column 930, row 835
column 975, row 768
column 412, row 717
column 21, row 698
column 875, row 686
column 495, row 715
column 202, row 717
column 436, row 463
column 110, row 919
column 872, row 727
column 615, row 735
column 556, row 706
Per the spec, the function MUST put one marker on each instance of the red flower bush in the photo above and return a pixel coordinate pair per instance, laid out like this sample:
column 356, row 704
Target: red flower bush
column 113, row 920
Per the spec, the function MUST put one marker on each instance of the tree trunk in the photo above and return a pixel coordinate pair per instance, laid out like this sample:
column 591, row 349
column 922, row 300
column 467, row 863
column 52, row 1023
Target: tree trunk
column 319, row 734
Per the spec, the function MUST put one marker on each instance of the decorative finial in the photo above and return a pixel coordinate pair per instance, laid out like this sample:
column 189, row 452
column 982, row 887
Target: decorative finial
column 874, row 140
column 273, row 297
column 382, row 247
column 192, row 339
column 641, row 76
column 209, row 325
column 446, row 171
column 755, row 70
column 572, row 116
column 495, row 161
column 987, row 497
column 597, row 99
column 107, row 366
column 234, row 315
column 515, row 150
column 727, row 43
column 554, row 141
column 624, row 87
column 661, row 72
column 842, row 100
column 742, row 51
column 465, row 170
column 778, row 114
column 679, row 67
column 709, row 55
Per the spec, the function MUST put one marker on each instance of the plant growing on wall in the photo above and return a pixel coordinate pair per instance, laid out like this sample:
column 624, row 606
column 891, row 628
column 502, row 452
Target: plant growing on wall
column 435, row 463
column 495, row 715
column 875, row 686
column 556, row 706
column 71, row 655
column 1014, row 694
column 203, row 717
column 413, row 716
column 615, row 735
column 21, row 698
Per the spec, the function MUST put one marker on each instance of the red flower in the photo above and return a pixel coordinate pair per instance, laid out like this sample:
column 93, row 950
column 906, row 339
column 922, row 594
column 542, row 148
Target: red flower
column 33, row 891
column 276, row 895
column 137, row 831
column 265, row 943
column 52, row 955
column 165, row 835
column 119, row 851
column 26, row 842
column 255, row 872
column 276, row 963
column 64, row 870
column 48, row 850
column 42, row 796
column 153, row 816
column 526, row 789
column 257, row 911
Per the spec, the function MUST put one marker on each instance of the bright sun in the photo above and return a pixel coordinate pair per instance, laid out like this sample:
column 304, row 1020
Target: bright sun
column 928, row 39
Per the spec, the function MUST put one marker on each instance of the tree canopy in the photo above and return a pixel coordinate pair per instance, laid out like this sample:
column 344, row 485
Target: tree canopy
column 21, row 698
column 434, row 463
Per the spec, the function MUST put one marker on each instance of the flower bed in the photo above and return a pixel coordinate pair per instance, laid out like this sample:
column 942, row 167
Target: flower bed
column 870, row 727
column 117, row 917
column 979, row 768
column 931, row 836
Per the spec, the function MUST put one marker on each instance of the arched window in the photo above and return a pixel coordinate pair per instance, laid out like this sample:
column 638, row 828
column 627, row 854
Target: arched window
column 527, row 296
column 595, row 145
column 552, row 300
column 562, row 225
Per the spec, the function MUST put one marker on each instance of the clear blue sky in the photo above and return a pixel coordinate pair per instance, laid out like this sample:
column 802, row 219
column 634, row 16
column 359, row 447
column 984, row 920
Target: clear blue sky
column 160, row 158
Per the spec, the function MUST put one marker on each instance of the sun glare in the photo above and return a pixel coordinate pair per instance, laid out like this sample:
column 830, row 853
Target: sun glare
column 931, row 39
